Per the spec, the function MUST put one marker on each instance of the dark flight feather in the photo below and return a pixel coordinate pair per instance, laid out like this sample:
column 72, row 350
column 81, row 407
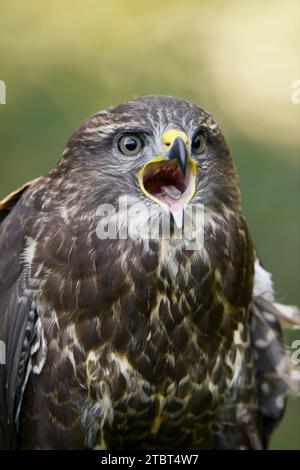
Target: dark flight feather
column 18, row 319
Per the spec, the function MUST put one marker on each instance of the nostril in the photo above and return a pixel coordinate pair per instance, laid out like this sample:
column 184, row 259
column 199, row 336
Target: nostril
column 167, row 144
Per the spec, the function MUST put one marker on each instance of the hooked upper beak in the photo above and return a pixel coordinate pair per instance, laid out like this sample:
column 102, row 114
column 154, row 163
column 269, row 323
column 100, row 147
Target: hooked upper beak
column 179, row 153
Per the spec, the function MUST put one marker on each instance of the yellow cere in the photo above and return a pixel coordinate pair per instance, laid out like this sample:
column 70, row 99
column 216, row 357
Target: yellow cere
column 169, row 137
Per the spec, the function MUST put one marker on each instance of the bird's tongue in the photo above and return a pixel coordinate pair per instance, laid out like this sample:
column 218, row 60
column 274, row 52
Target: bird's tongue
column 170, row 192
column 172, row 196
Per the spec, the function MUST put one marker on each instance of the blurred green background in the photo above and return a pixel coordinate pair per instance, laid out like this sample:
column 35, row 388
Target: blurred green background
column 64, row 60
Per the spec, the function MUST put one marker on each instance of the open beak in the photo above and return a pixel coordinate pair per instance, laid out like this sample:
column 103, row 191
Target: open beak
column 169, row 179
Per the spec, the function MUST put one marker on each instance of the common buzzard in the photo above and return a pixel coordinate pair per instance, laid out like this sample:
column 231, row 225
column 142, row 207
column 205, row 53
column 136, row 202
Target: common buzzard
column 110, row 340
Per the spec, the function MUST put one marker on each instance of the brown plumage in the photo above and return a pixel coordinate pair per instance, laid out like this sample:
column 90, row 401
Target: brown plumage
column 136, row 343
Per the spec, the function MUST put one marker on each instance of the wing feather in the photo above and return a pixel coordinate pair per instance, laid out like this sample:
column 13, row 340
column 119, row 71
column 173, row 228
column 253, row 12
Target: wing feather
column 273, row 366
column 20, row 328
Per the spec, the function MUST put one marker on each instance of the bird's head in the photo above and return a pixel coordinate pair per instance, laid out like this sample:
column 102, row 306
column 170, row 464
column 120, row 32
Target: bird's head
column 158, row 150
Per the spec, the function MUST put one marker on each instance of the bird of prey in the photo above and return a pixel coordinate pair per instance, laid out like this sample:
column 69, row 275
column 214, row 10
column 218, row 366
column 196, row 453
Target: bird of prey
column 137, row 342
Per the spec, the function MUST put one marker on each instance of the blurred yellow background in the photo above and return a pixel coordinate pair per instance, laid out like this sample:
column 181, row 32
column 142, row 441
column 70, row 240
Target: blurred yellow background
column 64, row 60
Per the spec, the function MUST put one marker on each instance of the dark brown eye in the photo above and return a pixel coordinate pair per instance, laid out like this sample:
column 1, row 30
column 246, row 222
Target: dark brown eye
column 198, row 143
column 130, row 144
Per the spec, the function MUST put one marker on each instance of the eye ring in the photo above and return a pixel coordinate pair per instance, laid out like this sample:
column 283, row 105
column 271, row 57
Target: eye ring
column 130, row 144
column 198, row 143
